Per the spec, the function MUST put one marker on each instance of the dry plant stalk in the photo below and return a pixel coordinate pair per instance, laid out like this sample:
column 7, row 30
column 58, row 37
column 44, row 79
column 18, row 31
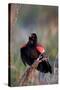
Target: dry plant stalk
column 27, row 76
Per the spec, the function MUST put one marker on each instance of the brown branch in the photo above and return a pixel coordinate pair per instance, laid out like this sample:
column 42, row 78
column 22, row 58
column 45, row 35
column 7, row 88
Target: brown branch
column 25, row 79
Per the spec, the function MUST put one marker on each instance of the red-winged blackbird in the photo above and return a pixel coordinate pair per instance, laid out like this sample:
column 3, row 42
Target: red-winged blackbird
column 31, row 51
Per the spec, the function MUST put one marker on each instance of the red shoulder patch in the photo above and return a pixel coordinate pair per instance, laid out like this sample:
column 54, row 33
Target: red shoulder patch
column 40, row 48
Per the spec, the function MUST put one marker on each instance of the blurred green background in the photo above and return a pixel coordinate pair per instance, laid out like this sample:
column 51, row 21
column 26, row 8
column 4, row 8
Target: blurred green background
column 25, row 19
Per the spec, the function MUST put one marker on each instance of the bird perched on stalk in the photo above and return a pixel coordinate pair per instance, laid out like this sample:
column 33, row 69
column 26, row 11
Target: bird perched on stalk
column 31, row 51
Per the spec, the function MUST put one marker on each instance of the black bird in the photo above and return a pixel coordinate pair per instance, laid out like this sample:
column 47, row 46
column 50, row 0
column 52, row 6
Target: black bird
column 31, row 51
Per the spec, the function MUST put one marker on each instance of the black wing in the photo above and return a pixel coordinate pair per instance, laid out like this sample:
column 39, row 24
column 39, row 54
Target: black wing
column 44, row 66
column 23, row 56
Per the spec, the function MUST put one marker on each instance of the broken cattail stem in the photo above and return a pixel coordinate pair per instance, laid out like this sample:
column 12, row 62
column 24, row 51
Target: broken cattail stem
column 26, row 76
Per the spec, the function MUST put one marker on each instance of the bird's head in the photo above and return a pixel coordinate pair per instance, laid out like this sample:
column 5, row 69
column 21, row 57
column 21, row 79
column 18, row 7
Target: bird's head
column 33, row 39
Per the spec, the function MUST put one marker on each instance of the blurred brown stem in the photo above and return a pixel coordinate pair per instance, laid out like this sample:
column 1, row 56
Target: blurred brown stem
column 26, row 77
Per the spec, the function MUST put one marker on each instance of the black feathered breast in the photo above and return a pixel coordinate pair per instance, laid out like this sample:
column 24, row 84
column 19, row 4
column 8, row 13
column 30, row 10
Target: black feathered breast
column 30, row 54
